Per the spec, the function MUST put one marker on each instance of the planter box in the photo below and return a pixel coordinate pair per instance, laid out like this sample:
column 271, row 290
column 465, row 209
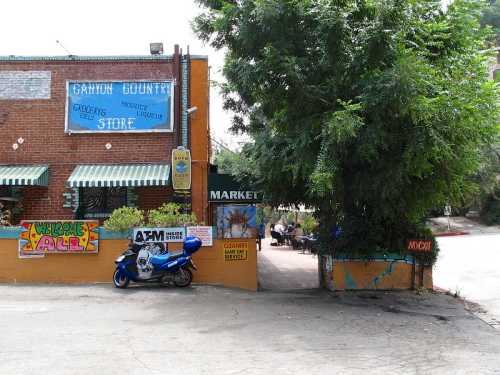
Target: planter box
column 374, row 274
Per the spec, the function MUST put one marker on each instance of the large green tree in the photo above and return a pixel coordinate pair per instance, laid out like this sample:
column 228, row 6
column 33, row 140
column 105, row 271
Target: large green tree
column 370, row 111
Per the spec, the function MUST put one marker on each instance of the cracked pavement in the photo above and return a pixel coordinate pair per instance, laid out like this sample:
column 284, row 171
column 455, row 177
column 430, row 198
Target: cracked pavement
column 96, row 329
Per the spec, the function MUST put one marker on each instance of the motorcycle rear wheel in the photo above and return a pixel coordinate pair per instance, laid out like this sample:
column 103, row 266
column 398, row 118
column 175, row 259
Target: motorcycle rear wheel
column 119, row 280
column 183, row 277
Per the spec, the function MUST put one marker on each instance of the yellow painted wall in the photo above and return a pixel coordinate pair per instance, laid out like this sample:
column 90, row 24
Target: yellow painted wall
column 60, row 268
column 377, row 275
column 90, row 268
column 200, row 137
column 214, row 269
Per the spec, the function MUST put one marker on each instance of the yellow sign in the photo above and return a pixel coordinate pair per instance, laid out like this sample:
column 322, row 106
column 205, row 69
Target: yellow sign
column 64, row 236
column 235, row 251
column 181, row 169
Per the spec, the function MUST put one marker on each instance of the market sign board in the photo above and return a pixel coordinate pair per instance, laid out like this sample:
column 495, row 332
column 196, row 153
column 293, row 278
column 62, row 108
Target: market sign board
column 225, row 188
column 205, row 234
column 420, row 246
column 181, row 169
column 144, row 235
column 119, row 106
column 59, row 236
column 235, row 251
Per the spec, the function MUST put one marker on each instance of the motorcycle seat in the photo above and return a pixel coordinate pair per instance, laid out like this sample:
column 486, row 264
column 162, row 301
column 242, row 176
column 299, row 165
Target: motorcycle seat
column 158, row 260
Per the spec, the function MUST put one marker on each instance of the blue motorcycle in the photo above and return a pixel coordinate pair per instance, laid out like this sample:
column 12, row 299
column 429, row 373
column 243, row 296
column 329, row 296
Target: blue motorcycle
column 149, row 263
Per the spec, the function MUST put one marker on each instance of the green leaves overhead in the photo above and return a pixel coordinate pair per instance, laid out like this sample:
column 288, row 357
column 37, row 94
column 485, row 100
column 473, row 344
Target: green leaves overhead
column 371, row 111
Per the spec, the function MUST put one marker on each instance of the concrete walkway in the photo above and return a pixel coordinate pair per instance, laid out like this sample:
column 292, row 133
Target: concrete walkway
column 282, row 268
column 470, row 267
column 461, row 224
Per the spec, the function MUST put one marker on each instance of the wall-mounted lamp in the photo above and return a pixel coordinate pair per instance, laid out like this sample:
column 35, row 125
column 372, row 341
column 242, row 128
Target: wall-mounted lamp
column 15, row 146
column 191, row 110
column 156, row 48
column 20, row 140
column 108, row 146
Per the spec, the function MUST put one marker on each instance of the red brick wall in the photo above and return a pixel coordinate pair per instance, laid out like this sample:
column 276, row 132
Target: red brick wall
column 41, row 124
column 153, row 197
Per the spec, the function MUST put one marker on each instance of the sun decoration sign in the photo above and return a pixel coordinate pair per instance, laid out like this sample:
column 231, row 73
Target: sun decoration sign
column 60, row 236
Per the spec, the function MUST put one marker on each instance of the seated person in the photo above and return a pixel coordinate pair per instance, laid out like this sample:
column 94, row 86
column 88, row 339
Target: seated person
column 280, row 228
column 298, row 237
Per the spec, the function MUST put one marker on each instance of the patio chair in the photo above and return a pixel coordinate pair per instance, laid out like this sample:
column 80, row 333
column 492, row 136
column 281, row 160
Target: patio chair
column 278, row 237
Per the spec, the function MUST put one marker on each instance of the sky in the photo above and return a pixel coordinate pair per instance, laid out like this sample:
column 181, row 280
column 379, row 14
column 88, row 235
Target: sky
column 111, row 27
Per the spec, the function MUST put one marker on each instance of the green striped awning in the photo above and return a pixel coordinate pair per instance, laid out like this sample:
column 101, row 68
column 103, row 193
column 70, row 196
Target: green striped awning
column 120, row 175
column 24, row 175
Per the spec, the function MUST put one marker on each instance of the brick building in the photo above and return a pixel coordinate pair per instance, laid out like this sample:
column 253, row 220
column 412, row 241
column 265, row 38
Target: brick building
column 60, row 169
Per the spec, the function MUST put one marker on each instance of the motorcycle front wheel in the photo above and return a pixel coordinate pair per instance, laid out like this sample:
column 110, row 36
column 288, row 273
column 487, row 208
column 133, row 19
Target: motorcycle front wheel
column 121, row 281
column 183, row 277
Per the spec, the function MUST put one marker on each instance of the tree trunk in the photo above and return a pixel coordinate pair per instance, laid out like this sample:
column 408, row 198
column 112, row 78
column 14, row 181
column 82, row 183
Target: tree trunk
column 327, row 218
column 325, row 272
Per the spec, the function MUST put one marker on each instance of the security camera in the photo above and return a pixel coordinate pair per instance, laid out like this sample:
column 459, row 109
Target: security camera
column 191, row 110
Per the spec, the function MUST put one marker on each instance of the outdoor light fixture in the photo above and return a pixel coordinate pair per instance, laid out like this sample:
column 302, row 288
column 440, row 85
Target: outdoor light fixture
column 191, row 110
column 20, row 140
column 108, row 146
column 15, row 146
column 156, row 48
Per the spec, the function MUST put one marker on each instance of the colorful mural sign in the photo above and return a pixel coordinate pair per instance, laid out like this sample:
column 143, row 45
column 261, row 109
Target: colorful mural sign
column 234, row 251
column 64, row 236
column 236, row 221
column 119, row 107
column 203, row 233
column 142, row 235
column 181, row 169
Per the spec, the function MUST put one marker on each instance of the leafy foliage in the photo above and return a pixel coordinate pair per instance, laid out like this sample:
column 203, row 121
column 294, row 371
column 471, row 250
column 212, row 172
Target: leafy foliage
column 167, row 215
column 170, row 215
column 490, row 212
column 230, row 162
column 491, row 17
column 124, row 218
column 370, row 111
column 309, row 224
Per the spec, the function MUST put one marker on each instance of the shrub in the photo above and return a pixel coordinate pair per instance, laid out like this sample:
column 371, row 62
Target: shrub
column 124, row 218
column 170, row 215
column 490, row 212
column 309, row 224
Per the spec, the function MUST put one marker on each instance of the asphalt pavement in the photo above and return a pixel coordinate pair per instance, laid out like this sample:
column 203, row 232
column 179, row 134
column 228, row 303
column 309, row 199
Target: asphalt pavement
column 97, row 329
column 469, row 266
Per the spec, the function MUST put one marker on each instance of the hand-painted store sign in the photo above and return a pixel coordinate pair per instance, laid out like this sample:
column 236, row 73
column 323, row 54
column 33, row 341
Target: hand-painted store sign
column 205, row 234
column 181, row 169
column 114, row 107
column 420, row 246
column 234, row 251
column 41, row 237
column 142, row 235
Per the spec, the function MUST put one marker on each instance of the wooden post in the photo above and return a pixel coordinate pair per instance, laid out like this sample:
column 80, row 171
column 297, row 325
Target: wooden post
column 422, row 273
column 413, row 269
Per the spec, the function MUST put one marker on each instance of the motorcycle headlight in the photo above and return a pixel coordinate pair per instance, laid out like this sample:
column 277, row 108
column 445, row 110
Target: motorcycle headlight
column 120, row 258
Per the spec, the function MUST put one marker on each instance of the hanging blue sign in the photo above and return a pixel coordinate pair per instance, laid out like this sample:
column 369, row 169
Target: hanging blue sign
column 119, row 107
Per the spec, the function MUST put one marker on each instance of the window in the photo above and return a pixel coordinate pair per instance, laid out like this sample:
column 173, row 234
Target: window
column 98, row 203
